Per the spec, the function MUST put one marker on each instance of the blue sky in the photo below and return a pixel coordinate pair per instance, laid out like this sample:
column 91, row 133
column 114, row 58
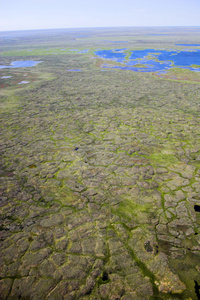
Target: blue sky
column 44, row 14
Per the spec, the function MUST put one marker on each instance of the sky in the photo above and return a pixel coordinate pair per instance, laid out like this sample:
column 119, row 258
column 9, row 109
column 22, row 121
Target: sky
column 48, row 14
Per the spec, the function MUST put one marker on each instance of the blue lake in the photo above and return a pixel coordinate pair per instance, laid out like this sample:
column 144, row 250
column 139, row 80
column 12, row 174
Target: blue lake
column 139, row 54
column 111, row 54
column 182, row 58
column 151, row 60
column 21, row 64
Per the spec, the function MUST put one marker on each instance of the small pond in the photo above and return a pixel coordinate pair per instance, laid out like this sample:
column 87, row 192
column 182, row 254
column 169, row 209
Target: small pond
column 21, row 64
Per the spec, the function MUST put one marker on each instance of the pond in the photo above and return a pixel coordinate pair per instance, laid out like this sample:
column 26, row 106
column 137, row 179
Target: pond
column 151, row 60
column 21, row 64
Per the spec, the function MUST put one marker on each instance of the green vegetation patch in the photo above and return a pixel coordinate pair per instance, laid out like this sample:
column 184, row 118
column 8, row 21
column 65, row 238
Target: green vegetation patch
column 196, row 163
column 129, row 209
column 163, row 159
column 9, row 101
column 140, row 66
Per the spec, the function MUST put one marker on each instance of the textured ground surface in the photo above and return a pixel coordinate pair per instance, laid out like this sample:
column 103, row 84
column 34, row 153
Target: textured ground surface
column 100, row 184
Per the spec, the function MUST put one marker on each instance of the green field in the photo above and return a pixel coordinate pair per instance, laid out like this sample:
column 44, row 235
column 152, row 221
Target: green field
column 100, row 169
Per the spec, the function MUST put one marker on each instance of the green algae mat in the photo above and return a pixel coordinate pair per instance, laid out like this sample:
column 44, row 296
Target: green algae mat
column 100, row 172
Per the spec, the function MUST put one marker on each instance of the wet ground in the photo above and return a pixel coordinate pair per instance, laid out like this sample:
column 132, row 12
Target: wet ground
column 100, row 184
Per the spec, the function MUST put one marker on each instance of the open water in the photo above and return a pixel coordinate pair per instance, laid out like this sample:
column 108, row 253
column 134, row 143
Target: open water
column 152, row 60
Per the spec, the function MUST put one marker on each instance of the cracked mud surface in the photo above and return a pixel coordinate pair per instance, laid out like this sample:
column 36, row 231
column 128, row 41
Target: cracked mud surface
column 100, row 187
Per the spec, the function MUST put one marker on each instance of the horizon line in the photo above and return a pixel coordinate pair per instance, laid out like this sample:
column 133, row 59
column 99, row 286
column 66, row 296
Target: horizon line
column 104, row 27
